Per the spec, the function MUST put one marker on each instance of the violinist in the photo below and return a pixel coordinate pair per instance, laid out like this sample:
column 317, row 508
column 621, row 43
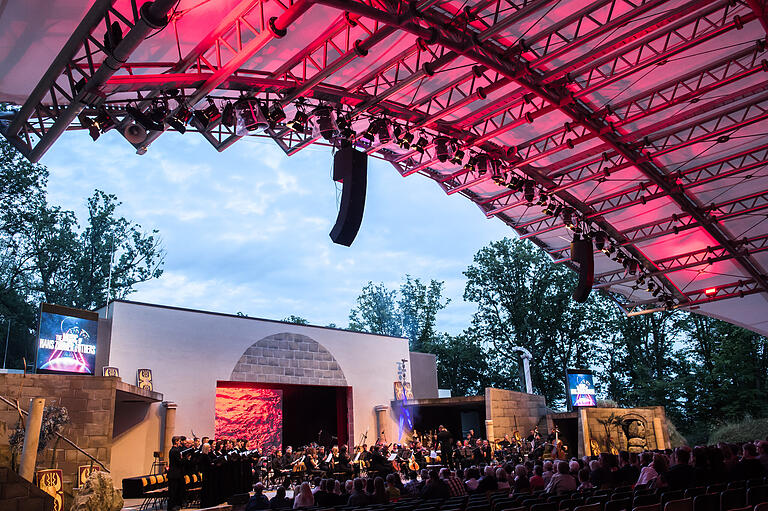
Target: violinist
column 343, row 461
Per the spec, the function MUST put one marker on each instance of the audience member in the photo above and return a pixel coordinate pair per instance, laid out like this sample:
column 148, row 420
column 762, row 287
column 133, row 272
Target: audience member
column 259, row 500
column 562, row 481
column 280, row 501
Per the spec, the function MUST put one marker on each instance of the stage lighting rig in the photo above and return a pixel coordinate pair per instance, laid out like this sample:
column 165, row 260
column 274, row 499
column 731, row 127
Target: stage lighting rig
column 148, row 121
column 421, row 144
column 98, row 125
column 458, row 155
column 180, row 120
column 406, row 140
column 209, row 116
column 299, row 122
column 250, row 115
column 276, row 113
column 443, row 148
column 471, row 163
column 632, row 265
column 134, row 133
column 228, row 115
column 384, row 131
column 599, row 240
column 370, row 132
column 324, row 122
column 568, row 217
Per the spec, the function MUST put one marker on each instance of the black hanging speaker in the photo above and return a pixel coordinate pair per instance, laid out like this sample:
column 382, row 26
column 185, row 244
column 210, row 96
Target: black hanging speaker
column 583, row 256
column 350, row 167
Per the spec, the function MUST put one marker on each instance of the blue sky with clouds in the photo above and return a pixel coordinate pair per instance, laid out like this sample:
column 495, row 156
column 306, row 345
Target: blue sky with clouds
column 247, row 229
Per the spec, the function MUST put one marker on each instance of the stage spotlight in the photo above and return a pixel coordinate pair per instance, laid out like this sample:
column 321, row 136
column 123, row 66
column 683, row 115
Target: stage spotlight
column 599, row 240
column 370, row 133
column 144, row 120
column 483, row 164
column 180, row 120
column 568, row 217
column 651, row 285
column 529, row 191
column 442, row 149
column 384, row 131
column 250, row 116
column 421, row 144
column 209, row 116
column 458, row 157
column 471, row 162
column 299, row 122
column 406, row 140
column 228, row 115
column 98, row 125
column 90, row 125
column 276, row 113
column 632, row 266
column 641, row 280
column 543, row 199
column 135, row 134
column 326, row 125
column 113, row 37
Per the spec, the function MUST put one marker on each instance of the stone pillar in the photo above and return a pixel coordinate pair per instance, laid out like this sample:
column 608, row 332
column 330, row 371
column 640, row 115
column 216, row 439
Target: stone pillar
column 489, row 431
column 170, row 428
column 381, row 421
column 527, row 374
column 584, row 448
column 31, row 438
column 658, row 430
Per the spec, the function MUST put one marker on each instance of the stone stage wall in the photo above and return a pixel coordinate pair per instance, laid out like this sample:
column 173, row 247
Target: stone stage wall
column 512, row 411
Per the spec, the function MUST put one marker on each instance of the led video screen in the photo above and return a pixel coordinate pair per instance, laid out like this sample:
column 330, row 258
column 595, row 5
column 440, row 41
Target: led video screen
column 581, row 389
column 252, row 413
column 66, row 341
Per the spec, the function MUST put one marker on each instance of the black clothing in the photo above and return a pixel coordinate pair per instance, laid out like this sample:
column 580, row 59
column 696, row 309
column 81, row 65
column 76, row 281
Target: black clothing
column 446, row 447
column 278, row 503
column 175, row 479
column 487, row 483
column 357, row 499
column 680, row 477
column 324, row 499
column 434, row 490
column 257, row 502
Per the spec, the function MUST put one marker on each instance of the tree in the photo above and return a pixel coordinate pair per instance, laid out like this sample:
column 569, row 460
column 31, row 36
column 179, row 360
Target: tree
column 523, row 299
column 376, row 311
column 45, row 256
column 295, row 319
column 418, row 305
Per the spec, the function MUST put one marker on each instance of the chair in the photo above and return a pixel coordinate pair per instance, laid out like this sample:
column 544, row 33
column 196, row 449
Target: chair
column 546, row 506
column 645, row 500
column 570, row 504
column 648, row 507
column 763, row 506
column 707, row 502
column 717, row 488
column 737, row 484
column 519, row 508
column 621, row 495
column 679, row 505
column 757, row 494
column 693, row 492
column 618, row 505
column 588, row 507
column 597, row 499
column 733, row 499
column 670, row 495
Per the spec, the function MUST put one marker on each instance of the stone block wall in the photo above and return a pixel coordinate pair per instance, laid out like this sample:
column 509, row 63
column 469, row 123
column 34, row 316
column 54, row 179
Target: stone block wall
column 90, row 401
column 655, row 430
column 512, row 411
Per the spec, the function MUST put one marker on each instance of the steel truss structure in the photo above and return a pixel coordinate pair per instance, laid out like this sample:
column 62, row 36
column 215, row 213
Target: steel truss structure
column 645, row 120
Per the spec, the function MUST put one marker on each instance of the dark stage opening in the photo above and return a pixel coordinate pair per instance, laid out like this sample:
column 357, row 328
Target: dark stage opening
column 310, row 413
column 458, row 417
column 569, row 433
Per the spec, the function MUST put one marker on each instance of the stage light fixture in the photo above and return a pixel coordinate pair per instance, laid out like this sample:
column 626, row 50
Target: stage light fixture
column 144, row 120
column 384, row 131
column 599, row 240
column 276, row 113
column 483, row 163
column 298, row 123
column 406, row 140
column 98, row 125
column 324, row 121
column 632, row 266
column 641, row 279
column 135, row 134
column 656, row 292
column 543, row 199
column 250, row 116
column 711, row 291
column 228, row 115
column 568, row 217
column 421, row 144
column 112, row 37
column 458, row 157
column 209, row 116
column 529, row 191
column 180, row 120
column 370, row 132
column 442, row 149
column 471, row 163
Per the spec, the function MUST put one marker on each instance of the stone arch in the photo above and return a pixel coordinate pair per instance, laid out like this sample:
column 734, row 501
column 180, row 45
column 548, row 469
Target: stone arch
column 289, row 358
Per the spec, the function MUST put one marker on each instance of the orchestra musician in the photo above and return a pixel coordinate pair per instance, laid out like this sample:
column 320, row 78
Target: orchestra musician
column 445, row 440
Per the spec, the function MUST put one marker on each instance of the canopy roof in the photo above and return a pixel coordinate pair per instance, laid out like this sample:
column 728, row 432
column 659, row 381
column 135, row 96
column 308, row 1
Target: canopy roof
column 645, row 120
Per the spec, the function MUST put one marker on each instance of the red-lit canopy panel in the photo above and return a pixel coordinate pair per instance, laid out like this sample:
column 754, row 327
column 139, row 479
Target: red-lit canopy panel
column 640, row 122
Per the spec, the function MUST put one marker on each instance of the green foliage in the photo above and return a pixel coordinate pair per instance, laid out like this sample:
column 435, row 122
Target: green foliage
column 418, row 305
column 46, row 256
column 746, row 430
column 298, row 320
column 376, row 311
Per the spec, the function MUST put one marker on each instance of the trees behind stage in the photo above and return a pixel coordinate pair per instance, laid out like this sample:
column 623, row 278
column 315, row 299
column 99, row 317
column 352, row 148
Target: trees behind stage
column 704, row 371
column 47, row 256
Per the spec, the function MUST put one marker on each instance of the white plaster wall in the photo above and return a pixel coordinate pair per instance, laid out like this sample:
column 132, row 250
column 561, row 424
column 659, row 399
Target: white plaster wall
column 189, row 351
column 132, row 450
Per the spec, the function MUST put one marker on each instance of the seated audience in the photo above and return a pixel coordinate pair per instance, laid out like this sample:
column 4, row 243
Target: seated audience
column 259, row 500
column 562, row 481
column 280, row 501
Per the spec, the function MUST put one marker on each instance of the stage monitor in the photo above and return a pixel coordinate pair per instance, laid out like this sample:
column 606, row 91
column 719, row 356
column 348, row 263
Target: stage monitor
column 66, row 341
column 581, row 388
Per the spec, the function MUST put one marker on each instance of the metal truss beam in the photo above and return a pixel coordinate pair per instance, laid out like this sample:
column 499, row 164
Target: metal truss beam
column 689, row 260
column 696, row 298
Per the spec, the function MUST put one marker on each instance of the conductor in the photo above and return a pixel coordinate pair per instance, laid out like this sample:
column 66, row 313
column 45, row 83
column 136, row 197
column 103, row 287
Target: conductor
column 445, row 439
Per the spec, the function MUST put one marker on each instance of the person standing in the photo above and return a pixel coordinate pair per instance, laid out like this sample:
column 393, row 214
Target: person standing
column 446, row 446
column 175, row 476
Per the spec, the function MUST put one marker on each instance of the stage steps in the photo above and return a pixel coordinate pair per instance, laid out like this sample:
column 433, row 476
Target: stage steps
column 18, row 494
